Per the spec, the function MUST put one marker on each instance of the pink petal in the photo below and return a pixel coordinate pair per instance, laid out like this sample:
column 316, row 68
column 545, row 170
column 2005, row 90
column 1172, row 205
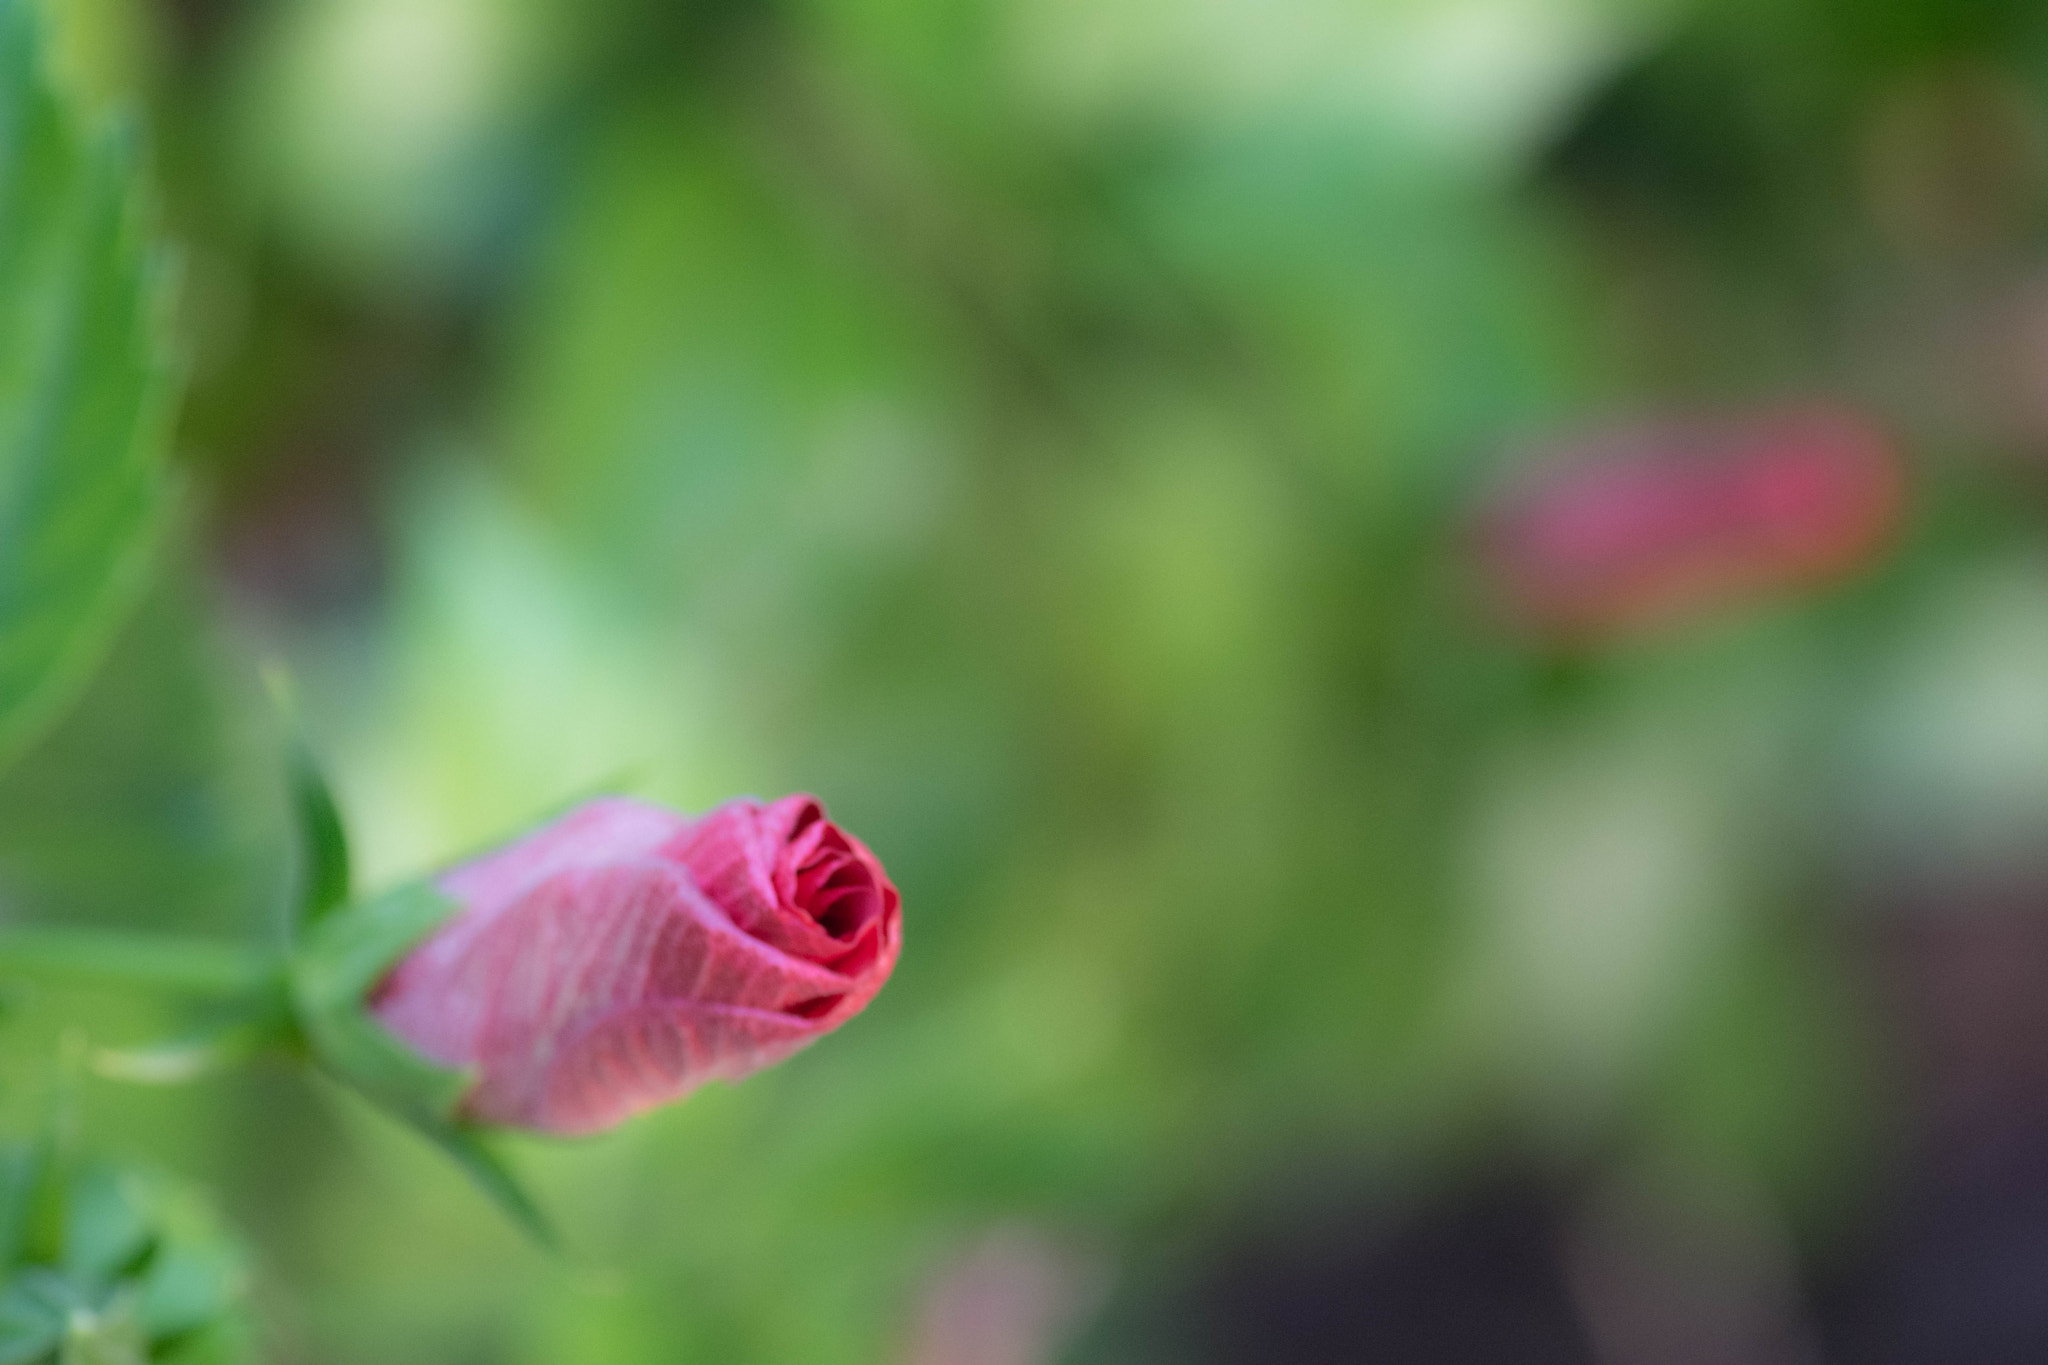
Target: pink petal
column 641, row 1056
column 732, row 858
column 747, row 858
column 591, row 835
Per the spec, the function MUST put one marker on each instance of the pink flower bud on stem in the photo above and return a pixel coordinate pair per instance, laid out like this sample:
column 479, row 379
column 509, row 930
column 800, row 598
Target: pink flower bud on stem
column 624, row 955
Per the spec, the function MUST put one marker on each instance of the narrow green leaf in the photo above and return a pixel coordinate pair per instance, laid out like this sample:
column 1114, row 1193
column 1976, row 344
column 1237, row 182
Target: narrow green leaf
column 322, row 839
column 86, row 388
column 323, row 844
column 225, row 1341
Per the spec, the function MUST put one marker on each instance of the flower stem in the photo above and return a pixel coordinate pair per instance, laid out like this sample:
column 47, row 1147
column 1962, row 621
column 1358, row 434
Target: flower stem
column 185, row 966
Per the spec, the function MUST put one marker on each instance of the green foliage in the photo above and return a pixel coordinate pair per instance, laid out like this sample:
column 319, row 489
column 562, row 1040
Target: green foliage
column 121, row 1268
column 86, row 386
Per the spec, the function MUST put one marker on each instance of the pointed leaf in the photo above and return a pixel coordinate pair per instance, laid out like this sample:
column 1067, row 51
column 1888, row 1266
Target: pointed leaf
column 490, row 1174
column 323, row 844
column 188, row 1287
column 323, row 841
column 348, row 953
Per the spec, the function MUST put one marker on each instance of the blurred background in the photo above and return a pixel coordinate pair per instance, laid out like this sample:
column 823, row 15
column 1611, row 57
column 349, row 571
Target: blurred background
column 1269, row 516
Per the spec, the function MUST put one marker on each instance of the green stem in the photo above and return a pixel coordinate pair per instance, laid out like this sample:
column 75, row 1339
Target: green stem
column 187, row 966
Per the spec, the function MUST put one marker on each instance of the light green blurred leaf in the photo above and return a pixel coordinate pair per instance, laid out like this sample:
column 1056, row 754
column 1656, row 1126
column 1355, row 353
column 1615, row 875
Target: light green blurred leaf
column 188, row 1286
column 32, row 1315
column 85, row 389
column 105, row 1230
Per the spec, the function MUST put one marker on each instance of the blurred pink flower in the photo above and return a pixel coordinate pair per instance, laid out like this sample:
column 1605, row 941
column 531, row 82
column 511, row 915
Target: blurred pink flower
column 1644, row 526
column 623, row 955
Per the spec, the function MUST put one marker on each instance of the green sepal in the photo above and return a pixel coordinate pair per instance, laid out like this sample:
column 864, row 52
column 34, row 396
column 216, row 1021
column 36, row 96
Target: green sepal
column 334, row 969
column 358, row 1051
column 322, row 839
column 487, row 1170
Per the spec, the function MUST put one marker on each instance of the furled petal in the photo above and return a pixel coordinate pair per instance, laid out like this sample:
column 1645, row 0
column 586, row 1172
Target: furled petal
column 789, row 876
column 645, row 1055
column 732, row 857
column 593, row 834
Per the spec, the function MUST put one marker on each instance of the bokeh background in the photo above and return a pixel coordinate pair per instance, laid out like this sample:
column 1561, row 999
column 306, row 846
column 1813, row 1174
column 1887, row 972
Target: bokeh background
column 1052, row 432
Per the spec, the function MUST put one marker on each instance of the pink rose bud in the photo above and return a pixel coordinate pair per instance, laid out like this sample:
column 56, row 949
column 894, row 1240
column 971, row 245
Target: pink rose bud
column 1642, row 527
column 623, row 955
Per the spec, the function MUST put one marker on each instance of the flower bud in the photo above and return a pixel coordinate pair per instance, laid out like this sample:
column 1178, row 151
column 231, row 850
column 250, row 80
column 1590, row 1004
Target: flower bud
column 1645, row 526
column 624, row 955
